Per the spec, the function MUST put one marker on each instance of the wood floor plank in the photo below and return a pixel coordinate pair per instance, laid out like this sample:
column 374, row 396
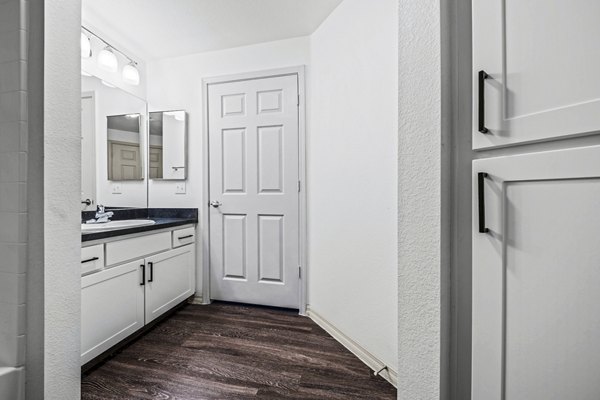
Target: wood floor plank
column 233, row 351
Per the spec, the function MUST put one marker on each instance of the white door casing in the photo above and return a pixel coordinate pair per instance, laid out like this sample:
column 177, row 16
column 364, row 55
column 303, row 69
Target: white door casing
column 88, row 151
column 254, row 175
column 542, row 61
column 536, row 304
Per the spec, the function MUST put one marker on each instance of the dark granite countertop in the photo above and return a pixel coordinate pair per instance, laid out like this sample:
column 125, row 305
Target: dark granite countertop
column 164, row 218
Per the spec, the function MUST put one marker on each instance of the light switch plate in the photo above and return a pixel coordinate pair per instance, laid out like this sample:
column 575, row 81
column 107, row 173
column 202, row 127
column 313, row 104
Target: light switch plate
column 180, row 187
column 116, row 189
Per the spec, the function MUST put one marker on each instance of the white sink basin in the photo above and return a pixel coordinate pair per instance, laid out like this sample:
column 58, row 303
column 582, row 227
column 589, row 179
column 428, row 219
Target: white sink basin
column 112, row 225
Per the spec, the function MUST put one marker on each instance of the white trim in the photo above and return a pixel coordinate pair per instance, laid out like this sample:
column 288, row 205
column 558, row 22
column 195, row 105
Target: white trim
column 204, row 222
column 363, row 354
column 197, row 299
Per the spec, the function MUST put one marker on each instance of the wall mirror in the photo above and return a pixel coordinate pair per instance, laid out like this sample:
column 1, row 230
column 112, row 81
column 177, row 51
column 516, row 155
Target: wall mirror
column 167, row 145
column 124, row 147
column 113, row 143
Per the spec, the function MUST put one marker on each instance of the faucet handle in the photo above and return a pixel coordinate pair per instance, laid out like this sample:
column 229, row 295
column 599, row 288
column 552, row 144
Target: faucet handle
column 100, row 208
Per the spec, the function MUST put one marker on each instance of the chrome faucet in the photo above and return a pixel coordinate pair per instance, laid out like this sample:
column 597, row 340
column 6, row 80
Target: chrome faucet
column 103, row 216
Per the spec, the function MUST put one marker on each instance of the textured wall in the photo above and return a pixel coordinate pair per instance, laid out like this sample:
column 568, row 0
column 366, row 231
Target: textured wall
column 352, row 177
column 419, row 203
column 62, row 175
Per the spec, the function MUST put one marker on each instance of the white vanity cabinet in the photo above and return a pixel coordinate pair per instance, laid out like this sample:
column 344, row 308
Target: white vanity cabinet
column 140, row 278
column 112, row 307
column 169, row 280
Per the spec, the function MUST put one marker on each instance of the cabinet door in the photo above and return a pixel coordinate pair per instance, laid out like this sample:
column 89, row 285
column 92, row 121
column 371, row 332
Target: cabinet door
column 536, row 274
column 542, row 59
column 112, row 307
column 169, row 280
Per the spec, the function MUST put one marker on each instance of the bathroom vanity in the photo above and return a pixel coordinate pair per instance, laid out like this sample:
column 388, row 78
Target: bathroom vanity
column 131, row 277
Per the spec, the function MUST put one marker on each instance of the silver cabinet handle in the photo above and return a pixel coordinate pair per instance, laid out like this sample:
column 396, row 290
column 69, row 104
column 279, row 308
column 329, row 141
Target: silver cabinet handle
column 215, row 204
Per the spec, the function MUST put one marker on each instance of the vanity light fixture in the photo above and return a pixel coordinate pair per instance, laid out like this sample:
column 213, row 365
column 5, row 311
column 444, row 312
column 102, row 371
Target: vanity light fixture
column 107, row 84
column 86, row 46
column 108, row 60
column 131, row 75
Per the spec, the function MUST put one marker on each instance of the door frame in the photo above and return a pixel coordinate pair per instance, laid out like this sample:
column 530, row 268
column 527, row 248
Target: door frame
column 299, row 71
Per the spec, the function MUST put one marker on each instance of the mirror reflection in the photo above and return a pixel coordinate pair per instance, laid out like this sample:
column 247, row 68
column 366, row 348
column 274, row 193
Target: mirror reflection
column 124, row 147
column 167, row 145
column 113, row 139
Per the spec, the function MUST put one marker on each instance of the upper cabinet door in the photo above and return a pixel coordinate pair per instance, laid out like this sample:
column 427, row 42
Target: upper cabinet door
column 540, row 61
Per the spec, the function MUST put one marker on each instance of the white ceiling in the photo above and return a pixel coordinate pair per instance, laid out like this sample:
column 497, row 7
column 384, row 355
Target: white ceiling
column 167, row 28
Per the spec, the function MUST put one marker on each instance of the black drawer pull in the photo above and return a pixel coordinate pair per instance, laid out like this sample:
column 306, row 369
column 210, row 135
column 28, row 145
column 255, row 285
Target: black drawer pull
column 143, row 282
column 90, row 260
column 481, row 197
column 185, row 237
column 481, row 91
column 151, row 265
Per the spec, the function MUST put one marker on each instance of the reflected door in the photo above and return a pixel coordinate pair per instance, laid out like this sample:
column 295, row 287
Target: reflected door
column 88, row 153
column 254, row 239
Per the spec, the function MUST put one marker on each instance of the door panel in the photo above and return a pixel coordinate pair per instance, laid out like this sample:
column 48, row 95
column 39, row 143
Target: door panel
column 536, row 307
column 253, row 146
column 540, row 60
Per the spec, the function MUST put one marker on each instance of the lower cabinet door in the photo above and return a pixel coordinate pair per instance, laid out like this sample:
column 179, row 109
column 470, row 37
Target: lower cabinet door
column 169, row 280
column 536, row 274
column 112, row 307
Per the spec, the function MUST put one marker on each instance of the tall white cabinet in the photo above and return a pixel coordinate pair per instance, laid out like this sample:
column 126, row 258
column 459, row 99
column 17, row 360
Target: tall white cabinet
column 536, row 216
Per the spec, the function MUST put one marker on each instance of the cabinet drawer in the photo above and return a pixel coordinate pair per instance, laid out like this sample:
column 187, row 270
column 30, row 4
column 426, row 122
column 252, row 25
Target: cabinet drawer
column 92, row 259
column 185, row 236
column 137, row 247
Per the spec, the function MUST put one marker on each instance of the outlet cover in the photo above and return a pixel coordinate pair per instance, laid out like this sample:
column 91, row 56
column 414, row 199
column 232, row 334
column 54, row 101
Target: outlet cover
column 180, row 188
column 116, row 189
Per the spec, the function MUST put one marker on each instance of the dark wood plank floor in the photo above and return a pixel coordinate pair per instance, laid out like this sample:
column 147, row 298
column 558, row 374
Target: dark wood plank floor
column 229, row 351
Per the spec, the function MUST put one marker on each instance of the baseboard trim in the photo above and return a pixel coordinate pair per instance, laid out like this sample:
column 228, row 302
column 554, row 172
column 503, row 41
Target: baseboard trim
column 363, row 355
column 196, row 300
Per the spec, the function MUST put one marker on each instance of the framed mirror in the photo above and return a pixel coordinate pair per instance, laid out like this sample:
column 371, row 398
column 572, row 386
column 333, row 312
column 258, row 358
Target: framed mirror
column 113, row 143
column 167, row 146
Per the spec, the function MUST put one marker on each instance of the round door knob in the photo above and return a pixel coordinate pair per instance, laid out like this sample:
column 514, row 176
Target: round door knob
column 215, row 203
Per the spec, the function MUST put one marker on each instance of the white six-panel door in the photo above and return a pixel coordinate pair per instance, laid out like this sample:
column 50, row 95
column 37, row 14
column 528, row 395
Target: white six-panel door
column 254, row 172
column 536, row 276
column 542, row 58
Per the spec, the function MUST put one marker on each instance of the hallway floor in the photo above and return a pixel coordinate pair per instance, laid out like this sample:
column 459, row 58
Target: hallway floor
column 231, row 351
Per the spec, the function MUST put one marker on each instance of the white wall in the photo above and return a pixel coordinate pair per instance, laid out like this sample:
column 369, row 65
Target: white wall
column 352, row 174
column 419, row 203
column 176, row 84
column 111, row 101
column 61, row 218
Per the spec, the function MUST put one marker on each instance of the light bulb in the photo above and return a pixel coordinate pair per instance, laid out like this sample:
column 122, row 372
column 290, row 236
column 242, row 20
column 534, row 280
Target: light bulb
column 86, row 46
column 131, row 75
column 107, row 60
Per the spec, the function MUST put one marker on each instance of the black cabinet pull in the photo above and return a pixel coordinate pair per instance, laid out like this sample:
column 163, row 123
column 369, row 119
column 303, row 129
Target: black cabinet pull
column 482, row 77
column 185, row 237
column 481, row 197
column 151, row 265
column 143, row 267
column 90, row 260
